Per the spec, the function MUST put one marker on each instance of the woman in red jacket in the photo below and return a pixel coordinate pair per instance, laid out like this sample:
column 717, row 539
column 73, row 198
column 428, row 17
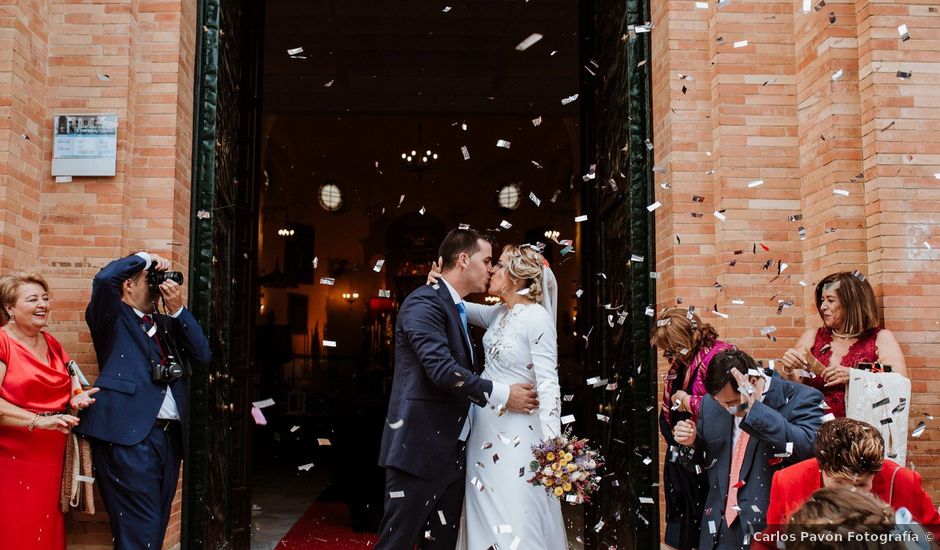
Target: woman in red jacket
column 848, row 453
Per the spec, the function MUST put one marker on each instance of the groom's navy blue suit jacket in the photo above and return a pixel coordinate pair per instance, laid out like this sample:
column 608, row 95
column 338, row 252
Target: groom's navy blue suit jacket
column 434, row 383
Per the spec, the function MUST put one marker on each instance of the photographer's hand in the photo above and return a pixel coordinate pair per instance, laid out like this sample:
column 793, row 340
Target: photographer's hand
column 172, row 296
column 159, row 263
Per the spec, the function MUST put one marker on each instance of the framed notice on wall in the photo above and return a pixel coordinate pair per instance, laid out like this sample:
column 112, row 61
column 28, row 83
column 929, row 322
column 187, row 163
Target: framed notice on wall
column 84, row 145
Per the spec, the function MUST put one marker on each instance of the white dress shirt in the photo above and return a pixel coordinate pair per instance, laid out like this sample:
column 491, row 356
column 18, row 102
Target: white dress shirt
column 168, row 409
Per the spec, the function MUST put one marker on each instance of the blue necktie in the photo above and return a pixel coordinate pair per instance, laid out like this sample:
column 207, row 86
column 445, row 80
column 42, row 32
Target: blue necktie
column 462, row 309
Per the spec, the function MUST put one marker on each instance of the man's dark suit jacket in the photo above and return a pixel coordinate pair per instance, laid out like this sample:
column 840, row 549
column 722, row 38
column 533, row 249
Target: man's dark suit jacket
column 129, row 400
column 434, row 383
column 789, row 413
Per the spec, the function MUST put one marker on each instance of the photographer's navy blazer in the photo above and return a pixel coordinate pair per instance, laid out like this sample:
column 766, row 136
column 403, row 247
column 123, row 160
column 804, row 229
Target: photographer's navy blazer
column 127, row 405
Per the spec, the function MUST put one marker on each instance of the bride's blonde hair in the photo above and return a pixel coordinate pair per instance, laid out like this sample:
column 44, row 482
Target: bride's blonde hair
column 525, row 264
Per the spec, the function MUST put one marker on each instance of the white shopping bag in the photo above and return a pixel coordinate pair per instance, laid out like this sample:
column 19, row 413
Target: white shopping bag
column 884, row 401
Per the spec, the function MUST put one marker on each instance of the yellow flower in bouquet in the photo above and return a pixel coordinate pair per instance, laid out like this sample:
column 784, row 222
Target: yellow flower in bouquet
column 566, row 487
column 548, row 481
column 568, row 457
column 550, row 457
column 572, row 467
column 559, row 491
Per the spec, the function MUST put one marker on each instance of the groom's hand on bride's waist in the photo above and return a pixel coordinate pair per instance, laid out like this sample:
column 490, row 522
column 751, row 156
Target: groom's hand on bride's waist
column 522, row 398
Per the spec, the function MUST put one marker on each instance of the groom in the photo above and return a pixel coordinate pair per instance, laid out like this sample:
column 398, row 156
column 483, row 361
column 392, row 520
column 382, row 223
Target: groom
column 423, row 447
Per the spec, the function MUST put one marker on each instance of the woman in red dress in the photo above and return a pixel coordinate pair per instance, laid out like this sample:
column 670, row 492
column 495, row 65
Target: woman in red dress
column 35, row 389
column 850, row 335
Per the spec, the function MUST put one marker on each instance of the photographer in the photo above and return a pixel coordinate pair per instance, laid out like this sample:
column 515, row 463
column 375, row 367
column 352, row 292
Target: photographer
column 144, row 359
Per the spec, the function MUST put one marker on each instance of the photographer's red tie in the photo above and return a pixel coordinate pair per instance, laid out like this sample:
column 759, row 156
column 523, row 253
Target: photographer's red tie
column 148, row 323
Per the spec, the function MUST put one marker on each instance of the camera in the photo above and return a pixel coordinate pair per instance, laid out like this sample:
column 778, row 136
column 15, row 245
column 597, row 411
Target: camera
column 156, row 278
column 167, row 372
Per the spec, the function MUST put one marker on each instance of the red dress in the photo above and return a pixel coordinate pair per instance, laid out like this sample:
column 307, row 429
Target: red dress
column 31, row 462
column 864, row 350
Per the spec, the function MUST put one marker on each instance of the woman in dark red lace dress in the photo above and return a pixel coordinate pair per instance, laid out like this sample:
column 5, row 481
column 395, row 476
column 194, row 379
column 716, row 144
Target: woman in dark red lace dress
column 35, row 390
column 850, row 335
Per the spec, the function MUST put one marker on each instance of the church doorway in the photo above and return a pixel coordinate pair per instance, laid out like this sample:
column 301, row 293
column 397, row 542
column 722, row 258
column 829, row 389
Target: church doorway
column 349, row 137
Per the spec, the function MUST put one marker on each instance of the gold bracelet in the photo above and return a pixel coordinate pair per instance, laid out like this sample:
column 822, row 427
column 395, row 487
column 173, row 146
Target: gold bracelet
column 32, row 423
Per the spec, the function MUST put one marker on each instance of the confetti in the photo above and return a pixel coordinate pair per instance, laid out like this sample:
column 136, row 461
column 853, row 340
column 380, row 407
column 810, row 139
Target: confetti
column 567, row 419
column 383, row 293
column 465, row 152
column 294, row 429
column 329, row 343
column 569, row 99
column 258, row 416
column 329, row 281
column 378, row 266
column 324, row 442
column 701, row 5
column 646, row 500
column 307, row 467
column 103, row 77
column 902, row 32
column 720, row 216
column 528, row 42
column 503, row 144
column 740, row 44
column 505, row 225
column 837, row 75
column 919, row 430
column 537, row 121
column 579, row 219
column 904, row 75
column 203, row 215
column 328, row 84
column 636, row 258
column 422, row 210
column 754, row 183
column 842, row 192
column 295, row 51
column 654, row 206
column 446, row 9
column 396, row 494
column 263, row 403
column 535, row 199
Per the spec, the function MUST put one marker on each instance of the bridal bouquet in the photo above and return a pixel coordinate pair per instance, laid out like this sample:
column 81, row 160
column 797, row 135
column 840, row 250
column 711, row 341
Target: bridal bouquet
column 566, row 467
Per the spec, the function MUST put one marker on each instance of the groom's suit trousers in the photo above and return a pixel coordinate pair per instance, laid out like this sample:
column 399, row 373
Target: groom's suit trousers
column 428, row 511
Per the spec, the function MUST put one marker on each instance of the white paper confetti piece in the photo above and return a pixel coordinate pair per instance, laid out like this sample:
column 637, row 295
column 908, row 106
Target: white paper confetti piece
column 569, row 99
column 637, row 258
column 329, row 343
column 503, row 144
column 654, row 206
column 446, row 9
column 305, row 467
column 828, row 417
column 842, row 192
column 505, row 225
column 294, row 428
column 103, row 77
column 535, row 199
column 514, row 545
column 384, row 293
column 837, row 75
column 787, row 452
column 324, row 442
column 806, row 6
column 711, row 527
column 329, row 281
column 902, row 33
column 646, row 500
column 936, row 175
column 263, row 403
column 567, row 419
column 378, row 266
column 740, row 43
column 701, row 5
column 927, row 246
column 754, row 183
column 720, row 216
column 295, row 51
column 465, row 152
column 528, row 42
column 737, row 302
column 579, row 219
column 919, row 430
column 422, row 210
column 537, row 121
column 502, row 529
column 440, row 516
column 397, row 424
column 396, row 494
column 328, row 84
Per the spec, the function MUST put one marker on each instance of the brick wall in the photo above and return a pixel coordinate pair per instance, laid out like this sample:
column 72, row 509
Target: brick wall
column 777, row 110
column 132, row 57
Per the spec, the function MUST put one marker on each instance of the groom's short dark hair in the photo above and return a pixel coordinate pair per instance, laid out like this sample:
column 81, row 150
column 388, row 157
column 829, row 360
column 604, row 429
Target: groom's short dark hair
column 719, row 370
column 459, row 241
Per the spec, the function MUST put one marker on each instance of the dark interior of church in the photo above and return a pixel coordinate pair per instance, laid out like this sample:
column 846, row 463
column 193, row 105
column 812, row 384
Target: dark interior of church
column 385, row 126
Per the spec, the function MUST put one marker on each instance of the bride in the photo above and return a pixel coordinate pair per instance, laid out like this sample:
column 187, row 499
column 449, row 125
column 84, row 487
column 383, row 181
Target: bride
column 501, row 509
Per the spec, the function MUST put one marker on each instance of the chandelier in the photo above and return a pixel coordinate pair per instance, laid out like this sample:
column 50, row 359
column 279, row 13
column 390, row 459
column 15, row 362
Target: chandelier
column 419, row 158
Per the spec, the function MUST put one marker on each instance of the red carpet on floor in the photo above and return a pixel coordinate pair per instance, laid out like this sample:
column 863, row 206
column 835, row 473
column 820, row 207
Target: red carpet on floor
column 325, row 526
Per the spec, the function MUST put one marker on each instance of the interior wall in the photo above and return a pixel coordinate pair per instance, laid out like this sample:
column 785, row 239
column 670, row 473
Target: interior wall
column 361, row 155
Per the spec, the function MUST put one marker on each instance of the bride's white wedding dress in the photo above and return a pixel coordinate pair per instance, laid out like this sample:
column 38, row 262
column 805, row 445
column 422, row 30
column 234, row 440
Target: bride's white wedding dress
column 501, row 509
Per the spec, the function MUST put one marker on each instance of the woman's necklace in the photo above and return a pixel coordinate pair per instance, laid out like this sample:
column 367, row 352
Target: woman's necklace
column 845, row 336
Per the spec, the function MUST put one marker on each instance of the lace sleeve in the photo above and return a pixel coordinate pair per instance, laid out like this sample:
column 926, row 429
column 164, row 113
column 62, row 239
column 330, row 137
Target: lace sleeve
column 543, row 349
